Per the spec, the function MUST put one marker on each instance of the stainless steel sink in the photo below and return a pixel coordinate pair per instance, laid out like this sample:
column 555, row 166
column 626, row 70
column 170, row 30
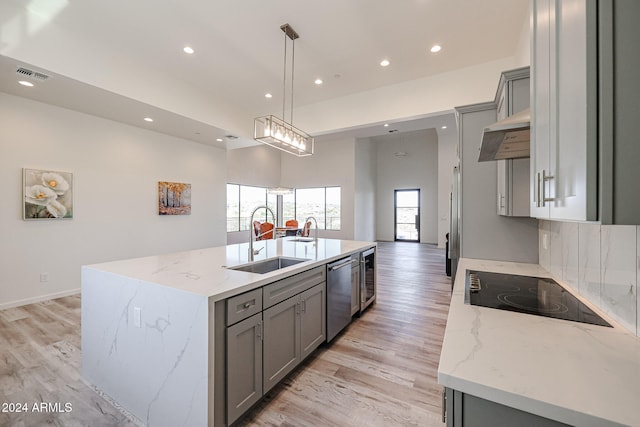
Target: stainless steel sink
column 268, row 265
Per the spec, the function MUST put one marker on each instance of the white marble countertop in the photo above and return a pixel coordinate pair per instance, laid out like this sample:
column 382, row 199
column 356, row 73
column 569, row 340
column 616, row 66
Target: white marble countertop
column 576, row 373
column 204, row 272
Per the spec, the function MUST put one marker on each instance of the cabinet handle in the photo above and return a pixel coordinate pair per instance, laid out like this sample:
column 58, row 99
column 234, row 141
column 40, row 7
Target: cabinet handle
column 540, row 191
column 249, row 304
column 444, row 405
column 304, row 305
column 546, row 178
column 259, row 330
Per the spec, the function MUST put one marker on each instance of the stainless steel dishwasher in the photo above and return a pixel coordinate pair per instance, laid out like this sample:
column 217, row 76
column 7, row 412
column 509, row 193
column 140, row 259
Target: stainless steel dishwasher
column 338, row 296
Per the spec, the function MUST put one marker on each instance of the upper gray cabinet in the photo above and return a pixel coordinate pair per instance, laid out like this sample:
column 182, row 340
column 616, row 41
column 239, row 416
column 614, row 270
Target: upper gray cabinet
column 564, row 87
column 619, row 110
column 585, row 121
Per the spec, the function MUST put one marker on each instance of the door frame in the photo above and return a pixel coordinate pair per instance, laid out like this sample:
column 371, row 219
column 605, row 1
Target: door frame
column 395, row 215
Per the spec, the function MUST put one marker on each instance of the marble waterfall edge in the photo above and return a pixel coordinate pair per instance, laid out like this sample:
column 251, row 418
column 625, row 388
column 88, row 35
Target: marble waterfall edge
column 157, row 371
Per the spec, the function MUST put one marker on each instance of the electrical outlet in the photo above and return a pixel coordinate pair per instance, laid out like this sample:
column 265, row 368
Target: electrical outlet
column 137, row 318
column 545, row 241
column 44, row 277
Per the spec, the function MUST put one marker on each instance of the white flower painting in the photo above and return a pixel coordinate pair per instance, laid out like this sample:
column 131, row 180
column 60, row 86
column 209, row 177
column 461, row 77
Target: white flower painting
column 47, row 194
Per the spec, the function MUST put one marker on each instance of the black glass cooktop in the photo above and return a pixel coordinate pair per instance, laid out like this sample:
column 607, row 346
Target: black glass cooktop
column 525, row 294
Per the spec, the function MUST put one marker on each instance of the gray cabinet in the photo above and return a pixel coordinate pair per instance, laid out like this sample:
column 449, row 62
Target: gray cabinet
column 585, row 124
column 513, row 174
column 244, row 365
column 313, row 320
column 465, row 410
column 619, row 126
column 292, row 330
column 262, row 335
column 564, row 139
column 281, row 341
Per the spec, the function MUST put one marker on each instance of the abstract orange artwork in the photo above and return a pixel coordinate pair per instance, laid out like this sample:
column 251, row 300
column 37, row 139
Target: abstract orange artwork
column 174, row 198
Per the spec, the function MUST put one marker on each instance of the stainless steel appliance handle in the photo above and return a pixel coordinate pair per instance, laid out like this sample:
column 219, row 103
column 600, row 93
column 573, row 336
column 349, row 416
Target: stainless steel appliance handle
column 336, row 267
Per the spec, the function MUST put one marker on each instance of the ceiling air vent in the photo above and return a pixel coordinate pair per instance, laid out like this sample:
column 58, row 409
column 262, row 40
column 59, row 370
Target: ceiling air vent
column 231, row 137
column 34, row 75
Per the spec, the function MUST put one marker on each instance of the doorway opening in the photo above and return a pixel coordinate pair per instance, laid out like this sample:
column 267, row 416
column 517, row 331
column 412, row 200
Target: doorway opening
column 407, row 215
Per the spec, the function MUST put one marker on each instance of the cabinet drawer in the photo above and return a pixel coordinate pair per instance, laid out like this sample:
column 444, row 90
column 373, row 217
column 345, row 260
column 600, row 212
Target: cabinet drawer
column 242, row 306
column 286, row 288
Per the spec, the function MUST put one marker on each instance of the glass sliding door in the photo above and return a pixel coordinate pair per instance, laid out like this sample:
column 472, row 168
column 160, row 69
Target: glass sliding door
column 407, row 215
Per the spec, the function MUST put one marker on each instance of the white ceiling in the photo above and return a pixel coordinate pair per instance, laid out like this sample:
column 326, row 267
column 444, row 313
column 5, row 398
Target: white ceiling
column 239, row 50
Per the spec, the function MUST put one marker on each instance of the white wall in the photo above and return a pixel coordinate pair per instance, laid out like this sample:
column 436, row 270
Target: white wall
column 447, row 159
column 523, row 50
column 258, row 166
column 332, row 164
column 116, row 169
column 418, row 169
column 365, row 190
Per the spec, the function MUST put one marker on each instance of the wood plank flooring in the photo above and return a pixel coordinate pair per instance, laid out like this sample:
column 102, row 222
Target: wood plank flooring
column 381, row 371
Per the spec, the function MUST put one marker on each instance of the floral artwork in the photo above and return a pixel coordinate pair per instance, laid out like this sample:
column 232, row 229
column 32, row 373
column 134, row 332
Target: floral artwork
column 47, row 194
column 174, row 198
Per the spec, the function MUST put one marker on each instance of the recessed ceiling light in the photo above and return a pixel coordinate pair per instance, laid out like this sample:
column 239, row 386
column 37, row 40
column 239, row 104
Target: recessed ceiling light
column 436, row 48
column 25, row 83
column 318, row 81
column 386, row 125
column 188, row 49
column 148, row 119
column 443, row 127
column 219, row 139
column 384, row 63
column 268, row 95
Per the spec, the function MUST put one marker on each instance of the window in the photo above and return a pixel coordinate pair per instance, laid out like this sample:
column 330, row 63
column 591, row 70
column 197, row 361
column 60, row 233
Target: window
column 242, row 200
column 323, row 203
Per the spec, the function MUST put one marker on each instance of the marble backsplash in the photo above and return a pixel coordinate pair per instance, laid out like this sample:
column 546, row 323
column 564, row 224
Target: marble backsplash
column 600, row 262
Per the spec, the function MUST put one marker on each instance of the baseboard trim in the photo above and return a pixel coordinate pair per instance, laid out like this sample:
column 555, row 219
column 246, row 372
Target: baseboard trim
column 40, row 298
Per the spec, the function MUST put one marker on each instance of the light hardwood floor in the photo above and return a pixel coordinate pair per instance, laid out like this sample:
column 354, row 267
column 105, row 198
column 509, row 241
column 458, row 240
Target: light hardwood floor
column 381, row 371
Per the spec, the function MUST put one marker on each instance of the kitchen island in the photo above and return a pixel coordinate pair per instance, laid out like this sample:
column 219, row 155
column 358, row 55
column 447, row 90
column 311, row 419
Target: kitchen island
column 568, row 372
column 148, row 324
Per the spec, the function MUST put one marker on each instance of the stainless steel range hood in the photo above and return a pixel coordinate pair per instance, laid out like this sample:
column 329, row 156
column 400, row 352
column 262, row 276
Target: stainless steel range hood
column 507, row 139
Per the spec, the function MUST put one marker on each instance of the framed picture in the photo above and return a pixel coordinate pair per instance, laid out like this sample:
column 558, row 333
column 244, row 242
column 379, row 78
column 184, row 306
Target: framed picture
column 174, row 198
column 47, row 194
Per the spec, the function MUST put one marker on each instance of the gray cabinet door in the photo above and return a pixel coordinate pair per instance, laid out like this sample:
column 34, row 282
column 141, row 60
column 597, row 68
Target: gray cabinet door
column 281, row 341
column 564, row 144
column 312, row 319
column 465, row 410
column 244, row 366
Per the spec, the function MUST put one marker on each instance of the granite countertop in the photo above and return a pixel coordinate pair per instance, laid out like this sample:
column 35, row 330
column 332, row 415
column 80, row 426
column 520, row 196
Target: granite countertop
column 575, row 373
column 204, row 272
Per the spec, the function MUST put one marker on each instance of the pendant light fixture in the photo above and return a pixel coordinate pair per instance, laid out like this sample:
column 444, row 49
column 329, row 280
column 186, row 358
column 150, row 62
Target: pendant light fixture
column 275, row 131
